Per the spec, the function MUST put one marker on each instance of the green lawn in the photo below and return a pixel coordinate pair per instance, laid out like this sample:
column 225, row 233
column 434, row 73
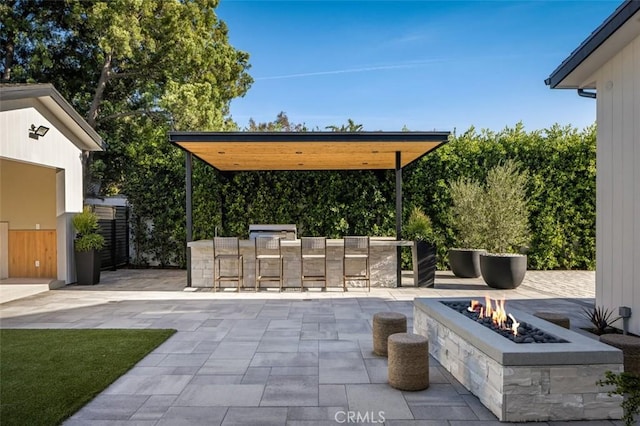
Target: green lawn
column 47, row 375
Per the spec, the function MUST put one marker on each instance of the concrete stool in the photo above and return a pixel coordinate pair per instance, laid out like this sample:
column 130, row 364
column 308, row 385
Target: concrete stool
column 408, row 361
column 557, row 319
column 384, row 325
column 630, row 346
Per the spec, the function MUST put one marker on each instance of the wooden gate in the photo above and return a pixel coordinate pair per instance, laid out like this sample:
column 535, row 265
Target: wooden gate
column 33, row 254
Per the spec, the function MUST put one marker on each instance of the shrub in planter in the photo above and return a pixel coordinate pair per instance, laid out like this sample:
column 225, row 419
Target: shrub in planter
column 601, row 318
column 87, row 244
column 505, row 228
column 419, row 229
column 466, row 220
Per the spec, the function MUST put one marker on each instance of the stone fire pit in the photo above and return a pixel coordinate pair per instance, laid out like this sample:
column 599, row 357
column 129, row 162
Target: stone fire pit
column 522, row 382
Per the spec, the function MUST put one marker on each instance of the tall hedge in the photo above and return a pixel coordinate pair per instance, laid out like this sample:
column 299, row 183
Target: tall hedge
column 561, row 166
column 560, row 162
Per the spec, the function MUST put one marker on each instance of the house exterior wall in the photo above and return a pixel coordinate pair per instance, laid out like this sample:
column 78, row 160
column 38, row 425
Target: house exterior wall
column 55, row 154
column 27, row 195
column 53, row 150
column 66, row 234
column 618, row 183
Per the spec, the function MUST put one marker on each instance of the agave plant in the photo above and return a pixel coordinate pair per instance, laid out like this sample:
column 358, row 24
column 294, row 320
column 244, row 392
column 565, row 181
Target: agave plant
column 600, row 318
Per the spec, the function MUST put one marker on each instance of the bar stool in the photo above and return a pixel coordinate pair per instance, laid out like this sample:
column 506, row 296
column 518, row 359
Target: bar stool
column 226, row 252
column 356, row 250
column 268, row 250
column 313, row 250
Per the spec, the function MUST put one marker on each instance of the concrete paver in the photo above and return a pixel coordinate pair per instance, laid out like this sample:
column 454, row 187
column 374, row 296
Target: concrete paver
column 274, row 358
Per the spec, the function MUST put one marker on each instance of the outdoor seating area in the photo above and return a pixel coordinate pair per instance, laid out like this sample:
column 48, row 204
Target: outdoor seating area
column 163, row 263
column 307, row 263
column 295, row 358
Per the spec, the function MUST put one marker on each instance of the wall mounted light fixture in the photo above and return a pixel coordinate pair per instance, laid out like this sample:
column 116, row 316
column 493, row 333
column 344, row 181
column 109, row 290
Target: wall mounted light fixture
column 35, row 133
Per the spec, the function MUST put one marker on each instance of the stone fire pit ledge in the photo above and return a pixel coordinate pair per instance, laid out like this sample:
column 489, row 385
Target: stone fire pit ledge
column 579, row 350
column 521, row 382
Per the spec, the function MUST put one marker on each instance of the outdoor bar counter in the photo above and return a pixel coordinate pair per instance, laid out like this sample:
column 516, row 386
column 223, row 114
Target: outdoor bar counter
column 382, row 260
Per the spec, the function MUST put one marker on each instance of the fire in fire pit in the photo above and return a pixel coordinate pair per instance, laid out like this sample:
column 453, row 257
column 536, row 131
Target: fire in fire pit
column 498, row 314
column 493, row 315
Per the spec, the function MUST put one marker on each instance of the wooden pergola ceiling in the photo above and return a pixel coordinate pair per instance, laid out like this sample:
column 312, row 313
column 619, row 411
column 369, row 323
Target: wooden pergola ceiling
column 244, row 151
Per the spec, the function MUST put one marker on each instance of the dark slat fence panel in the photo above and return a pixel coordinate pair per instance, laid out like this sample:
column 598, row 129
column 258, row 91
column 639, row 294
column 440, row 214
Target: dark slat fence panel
column 114, row 227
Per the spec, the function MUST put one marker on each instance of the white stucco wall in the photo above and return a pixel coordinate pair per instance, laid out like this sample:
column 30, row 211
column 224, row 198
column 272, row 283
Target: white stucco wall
column 618, row 183
column 52, row 150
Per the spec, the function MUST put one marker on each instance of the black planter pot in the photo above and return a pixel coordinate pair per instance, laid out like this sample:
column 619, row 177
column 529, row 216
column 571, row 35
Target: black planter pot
column 87, row 267
column 465, row 263
column 503, row 271
column 424, row 264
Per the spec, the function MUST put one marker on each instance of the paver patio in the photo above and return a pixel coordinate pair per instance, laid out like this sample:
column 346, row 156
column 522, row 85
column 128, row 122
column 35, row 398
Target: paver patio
column 273, row 358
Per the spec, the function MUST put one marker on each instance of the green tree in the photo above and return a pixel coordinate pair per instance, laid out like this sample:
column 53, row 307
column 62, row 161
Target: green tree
column 124, row 59
column 505, row 210
column 467, row 216
column 32, row 36
column 136, row 69
column 280, row 124
column 351, row 126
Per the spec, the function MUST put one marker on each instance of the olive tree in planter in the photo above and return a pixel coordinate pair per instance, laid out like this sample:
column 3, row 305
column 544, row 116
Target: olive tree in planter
column 419, row 229
column 505, row 228
column 87, row 244
column 466, row 220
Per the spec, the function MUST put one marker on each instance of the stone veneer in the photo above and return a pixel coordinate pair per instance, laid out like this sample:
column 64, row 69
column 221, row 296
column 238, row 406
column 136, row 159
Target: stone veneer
column 382, row 268
column 526, row 381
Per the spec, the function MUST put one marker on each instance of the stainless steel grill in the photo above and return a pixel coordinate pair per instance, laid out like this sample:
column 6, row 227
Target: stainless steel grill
column 285, row 231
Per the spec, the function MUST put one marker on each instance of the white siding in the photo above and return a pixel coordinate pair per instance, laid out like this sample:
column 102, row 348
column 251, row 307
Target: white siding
column 52, row 150
column 618, row 183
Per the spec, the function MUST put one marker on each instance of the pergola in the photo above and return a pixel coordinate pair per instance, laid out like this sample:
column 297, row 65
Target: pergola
column 305, row 151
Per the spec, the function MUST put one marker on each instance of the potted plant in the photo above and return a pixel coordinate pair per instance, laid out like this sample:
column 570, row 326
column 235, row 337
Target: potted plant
column 466, row 220
column 87, row 244
column 505, row 227
column 419, row 229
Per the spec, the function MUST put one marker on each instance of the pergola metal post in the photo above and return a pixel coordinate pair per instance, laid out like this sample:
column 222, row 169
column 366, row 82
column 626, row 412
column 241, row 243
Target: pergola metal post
column 399, row 217
column 189, row 173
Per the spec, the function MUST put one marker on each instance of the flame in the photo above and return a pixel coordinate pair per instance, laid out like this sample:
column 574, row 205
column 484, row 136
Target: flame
column 488, row 311
column 498, row 314
column 514, row 325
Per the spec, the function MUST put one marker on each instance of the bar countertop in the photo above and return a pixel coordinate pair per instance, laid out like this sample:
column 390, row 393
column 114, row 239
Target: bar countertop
column 331, row 242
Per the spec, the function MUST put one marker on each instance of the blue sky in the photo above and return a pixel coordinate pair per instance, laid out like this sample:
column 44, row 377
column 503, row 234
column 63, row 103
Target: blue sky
column 426, row 65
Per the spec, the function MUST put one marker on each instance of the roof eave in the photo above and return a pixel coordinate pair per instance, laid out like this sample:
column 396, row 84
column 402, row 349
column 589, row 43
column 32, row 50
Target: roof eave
column 92, row 141
column 434, row 136
column 599, row 36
